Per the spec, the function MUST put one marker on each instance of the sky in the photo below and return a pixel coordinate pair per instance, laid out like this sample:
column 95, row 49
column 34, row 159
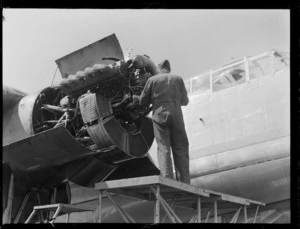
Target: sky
column 192, row 40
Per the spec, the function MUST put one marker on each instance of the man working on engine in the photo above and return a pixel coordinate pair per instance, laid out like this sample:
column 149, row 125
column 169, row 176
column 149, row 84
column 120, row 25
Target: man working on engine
column 167, row 93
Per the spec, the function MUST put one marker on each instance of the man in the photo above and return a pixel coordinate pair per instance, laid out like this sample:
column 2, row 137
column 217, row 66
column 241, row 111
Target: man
column 167, row 93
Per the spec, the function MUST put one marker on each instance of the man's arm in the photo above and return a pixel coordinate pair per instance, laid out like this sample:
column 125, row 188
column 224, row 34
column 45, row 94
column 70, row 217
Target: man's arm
column 184, row 96
column 145, row 97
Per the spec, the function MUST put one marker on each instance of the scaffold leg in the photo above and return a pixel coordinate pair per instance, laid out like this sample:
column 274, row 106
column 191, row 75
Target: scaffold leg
column 30, row 217
column 68, row 218
column 55, row 215
column 39, row 203
column 157, row 205
column 207, row 216
column 99, row 219
column 199, row 209
column 245, row 213
column 22, row 208
column 52, row 201
column 256, row 212
column 216, row 211
column 8, row 210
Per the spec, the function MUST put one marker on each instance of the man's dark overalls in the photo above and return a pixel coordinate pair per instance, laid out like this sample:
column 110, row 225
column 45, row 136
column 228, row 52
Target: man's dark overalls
column 167, row 93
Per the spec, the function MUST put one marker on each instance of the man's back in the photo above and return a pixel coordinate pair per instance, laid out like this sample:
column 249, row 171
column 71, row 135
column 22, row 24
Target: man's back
column 166, row 87
column 167, row 93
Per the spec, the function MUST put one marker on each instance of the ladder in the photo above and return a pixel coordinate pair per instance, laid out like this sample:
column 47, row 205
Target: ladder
column 58, row 208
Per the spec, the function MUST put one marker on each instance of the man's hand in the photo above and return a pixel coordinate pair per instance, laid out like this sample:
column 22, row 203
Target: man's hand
column 136, row 99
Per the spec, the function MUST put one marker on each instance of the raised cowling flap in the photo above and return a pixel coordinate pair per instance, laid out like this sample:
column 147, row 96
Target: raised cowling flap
column 49, row 148
column 105, row 51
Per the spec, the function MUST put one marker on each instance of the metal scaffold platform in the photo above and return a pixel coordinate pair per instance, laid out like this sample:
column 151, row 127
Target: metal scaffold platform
column 167, row 193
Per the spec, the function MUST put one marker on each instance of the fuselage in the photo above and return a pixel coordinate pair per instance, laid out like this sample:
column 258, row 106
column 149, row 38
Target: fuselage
column 239, row 128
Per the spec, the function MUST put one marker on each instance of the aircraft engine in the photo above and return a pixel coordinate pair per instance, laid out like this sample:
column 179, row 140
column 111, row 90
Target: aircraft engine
column 97, row 109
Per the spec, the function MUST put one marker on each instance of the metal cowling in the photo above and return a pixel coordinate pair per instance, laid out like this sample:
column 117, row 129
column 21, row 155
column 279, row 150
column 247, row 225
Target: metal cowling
column 106, row 131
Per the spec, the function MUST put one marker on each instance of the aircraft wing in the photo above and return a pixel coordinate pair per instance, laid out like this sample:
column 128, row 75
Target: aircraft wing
column 49, row 148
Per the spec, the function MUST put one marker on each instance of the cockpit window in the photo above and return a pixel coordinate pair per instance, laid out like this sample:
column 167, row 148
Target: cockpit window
column 260, row 67
column 201, row 84
column 267, row 65
column 264, row 64
column 279, row 61
column 229, row 77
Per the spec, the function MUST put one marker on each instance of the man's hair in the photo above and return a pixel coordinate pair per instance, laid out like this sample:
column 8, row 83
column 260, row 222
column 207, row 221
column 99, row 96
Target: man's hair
column 165, row 64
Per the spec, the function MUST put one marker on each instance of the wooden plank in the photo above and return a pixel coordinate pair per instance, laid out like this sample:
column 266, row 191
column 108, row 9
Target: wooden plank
column 227, row 197
column 64, row 208
column 255, row 202
column 140, row 181
column 122, row 183
column 48, row 206
column 182, row 186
